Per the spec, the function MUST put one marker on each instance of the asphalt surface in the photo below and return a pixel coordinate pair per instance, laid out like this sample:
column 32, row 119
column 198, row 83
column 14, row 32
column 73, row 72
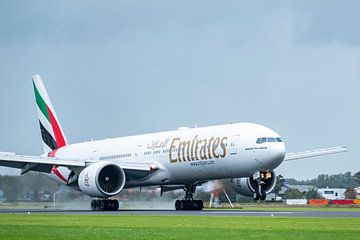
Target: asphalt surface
column 325, row 214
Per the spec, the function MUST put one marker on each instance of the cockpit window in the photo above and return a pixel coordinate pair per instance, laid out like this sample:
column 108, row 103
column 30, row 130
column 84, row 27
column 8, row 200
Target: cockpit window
column 270, row 139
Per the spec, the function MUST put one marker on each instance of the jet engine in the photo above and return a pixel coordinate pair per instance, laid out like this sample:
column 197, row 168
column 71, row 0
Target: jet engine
column 249, row 186
column 102, row 179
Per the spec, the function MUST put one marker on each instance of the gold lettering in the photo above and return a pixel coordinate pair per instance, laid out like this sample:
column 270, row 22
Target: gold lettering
column 196, row 149
column 209, row 147
column 185, row 154
column 215, row 146
column 223, row 147
column 192, row 148
column 173, row 160
column 203, row 150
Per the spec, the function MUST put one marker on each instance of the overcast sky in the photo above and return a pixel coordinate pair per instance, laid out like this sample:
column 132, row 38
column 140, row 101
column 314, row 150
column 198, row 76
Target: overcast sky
column 118, row 68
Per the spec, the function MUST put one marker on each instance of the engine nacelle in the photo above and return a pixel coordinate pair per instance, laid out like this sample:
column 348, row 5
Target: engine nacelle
column 247, row 186
column 102, row 179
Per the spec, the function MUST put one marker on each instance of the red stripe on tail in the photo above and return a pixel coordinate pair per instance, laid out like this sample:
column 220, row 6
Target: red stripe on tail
column 60, row 140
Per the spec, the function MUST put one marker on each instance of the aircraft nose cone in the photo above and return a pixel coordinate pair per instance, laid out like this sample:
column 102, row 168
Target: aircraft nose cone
column 278, row 152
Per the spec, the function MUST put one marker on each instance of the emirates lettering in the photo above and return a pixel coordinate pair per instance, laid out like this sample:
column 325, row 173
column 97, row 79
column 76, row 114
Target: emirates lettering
column 197, row 149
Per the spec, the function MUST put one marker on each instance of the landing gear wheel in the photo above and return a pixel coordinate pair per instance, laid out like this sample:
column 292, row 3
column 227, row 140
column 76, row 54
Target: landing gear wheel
column 199, row 205
column 263, row 196
column 189, row 205
column 259, row 193
column 177, row 205
column 182, row 205
column 256, row 196
column 93, row 204
column 104, row 205
column 116, row 207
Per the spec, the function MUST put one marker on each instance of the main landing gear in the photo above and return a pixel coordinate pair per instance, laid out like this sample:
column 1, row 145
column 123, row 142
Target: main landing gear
column 188, row 203
column 104, row 205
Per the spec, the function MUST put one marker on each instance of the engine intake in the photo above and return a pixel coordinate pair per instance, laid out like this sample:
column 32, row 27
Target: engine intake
column 247, row 186
column 102, row 179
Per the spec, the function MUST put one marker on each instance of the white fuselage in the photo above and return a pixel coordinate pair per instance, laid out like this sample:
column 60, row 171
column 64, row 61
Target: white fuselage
column 188, row 155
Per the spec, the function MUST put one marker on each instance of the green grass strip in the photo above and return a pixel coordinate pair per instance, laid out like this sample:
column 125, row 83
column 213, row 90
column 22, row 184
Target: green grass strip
column 34, row 226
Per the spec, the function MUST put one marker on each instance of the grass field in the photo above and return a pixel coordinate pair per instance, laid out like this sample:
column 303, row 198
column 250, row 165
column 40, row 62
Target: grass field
column 33, row 226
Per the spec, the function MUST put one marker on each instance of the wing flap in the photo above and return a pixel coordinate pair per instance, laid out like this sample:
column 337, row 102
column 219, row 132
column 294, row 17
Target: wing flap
column 314, row 153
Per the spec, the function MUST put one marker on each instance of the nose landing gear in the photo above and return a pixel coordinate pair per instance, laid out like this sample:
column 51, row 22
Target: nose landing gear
column 260, row 192
column 188, row 203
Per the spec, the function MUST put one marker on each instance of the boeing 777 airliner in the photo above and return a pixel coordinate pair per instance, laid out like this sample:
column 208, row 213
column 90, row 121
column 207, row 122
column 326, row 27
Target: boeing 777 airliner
column 246, row 153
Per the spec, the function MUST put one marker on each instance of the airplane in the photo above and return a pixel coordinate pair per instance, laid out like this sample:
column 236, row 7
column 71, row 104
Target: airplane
column 184, row 158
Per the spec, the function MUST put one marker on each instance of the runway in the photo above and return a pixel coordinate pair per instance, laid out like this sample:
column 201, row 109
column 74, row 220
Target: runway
column 324, row 214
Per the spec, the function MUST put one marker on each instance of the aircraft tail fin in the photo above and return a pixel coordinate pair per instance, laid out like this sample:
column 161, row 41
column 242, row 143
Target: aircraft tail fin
column 51, row 132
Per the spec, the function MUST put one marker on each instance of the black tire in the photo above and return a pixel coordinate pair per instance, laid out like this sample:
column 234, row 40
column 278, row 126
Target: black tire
column 263, row 197
column 188, row 204
column 97, row 204
column 109, row 206
column 116, row 205
column 197, row 205
column 93, row 205
column 177, row 205
column 256, row 196
column 182, row 205
column 102, row 205
column 200, row 205
column 194, row 205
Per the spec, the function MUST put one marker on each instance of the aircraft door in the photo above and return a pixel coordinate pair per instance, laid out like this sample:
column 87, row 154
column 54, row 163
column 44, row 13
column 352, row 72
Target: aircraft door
column 138, row 151
column 234, row 144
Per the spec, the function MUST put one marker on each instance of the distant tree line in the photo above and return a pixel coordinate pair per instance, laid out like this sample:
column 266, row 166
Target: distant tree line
column 17, row 187
column 312, row 193
column 341, row 180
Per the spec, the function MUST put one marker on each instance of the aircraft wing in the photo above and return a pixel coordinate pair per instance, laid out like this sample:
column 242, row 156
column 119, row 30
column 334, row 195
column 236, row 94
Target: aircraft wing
column 45, row 164
column 36, row 163
column 314, row 153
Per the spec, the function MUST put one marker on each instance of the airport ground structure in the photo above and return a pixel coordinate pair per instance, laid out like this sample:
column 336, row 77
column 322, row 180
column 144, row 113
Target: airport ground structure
column 323, row 202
